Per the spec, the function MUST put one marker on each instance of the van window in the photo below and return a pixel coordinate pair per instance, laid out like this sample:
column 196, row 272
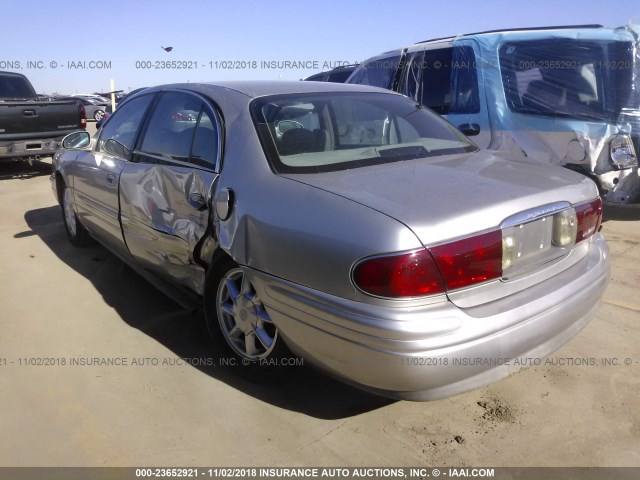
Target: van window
column 379, row 72
column 444, row 80
column 581, row 79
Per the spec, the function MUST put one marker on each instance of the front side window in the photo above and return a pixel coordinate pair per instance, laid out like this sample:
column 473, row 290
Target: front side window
column 380, row 72
column 323, row 132
column 567, row 77
column 119, row 133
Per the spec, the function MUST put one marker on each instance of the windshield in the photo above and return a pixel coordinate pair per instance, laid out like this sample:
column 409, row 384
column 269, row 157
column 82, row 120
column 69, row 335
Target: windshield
column 571, row 78
column 322, row 132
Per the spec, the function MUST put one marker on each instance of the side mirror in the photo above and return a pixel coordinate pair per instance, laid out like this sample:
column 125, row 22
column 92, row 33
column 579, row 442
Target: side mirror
column 79, row 139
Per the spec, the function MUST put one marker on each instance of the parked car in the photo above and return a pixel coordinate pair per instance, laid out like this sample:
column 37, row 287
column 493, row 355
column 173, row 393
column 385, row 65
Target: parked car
column 99, row 98
column 560, row 95
column 105, row 116
column 93, row 106
column 31, row 125
column 345, row 223
column 118, row 95
column 337, row 74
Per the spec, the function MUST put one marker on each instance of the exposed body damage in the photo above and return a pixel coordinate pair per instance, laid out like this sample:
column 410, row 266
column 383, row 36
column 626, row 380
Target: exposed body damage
column 567, row 96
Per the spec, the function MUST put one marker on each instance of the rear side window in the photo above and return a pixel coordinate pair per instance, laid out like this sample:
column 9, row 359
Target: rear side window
column 567, row 77
column 205, row 142
column 380, row 72
column 444, row 80
column 119, row 134
column 172, row 126
column 182, row 129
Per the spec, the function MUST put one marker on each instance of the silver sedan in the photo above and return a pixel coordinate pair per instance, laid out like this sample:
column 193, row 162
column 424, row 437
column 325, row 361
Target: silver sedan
column 343, row 223
column 94, row 107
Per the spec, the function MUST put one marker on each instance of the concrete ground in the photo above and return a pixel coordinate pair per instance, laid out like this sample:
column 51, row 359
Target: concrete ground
column 59, row 302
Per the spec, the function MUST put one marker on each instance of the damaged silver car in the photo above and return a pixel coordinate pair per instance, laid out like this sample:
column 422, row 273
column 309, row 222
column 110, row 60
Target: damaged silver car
column 344, row 223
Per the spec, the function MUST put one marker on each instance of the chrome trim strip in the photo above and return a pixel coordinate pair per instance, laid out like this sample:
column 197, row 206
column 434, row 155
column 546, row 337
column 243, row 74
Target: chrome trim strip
column 534, row 214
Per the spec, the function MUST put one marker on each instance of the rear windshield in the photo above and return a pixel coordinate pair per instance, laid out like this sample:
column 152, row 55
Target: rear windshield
column 569, row 78
column 15, row 86
column 323, row 132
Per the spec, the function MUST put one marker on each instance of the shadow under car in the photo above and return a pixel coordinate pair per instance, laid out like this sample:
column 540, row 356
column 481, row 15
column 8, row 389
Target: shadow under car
column 142, row 306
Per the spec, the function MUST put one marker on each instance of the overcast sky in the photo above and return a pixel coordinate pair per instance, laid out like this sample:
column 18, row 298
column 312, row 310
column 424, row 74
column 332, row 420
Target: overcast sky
column 78, row 46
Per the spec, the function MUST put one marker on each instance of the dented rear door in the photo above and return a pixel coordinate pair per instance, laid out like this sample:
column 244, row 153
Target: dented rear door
column 165, row 190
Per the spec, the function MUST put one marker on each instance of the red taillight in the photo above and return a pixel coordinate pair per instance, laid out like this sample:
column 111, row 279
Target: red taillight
column 470, row 260
column 589, row 216
column 425, row 272
column 406, row 275
column 83, row 116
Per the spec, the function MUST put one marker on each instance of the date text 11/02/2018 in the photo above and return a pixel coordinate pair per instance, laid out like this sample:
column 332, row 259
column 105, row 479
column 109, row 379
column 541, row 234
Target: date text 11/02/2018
column 239, row 64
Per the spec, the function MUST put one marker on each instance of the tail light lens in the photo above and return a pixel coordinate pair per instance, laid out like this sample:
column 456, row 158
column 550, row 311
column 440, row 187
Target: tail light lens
column 411, row 274
column 426, row 272
column 589, row 216
column 83, row 116
column 471, row 260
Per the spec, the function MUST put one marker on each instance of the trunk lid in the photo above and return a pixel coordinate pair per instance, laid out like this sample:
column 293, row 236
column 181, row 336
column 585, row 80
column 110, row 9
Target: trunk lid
column 444, row 198
column 450, row 198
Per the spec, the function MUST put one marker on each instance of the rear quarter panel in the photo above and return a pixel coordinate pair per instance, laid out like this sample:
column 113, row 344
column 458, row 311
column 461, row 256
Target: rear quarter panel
column 292, row 230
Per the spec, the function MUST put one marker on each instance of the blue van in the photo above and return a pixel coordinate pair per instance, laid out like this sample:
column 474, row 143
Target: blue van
column 567, row 96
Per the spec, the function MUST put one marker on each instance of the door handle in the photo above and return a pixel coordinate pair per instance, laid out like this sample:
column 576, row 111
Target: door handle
column 197, row 201
column 111, row 179
column 469, row 129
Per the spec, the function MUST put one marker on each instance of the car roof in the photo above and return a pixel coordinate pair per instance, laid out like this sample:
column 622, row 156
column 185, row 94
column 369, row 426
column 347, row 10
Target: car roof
column 258, row 88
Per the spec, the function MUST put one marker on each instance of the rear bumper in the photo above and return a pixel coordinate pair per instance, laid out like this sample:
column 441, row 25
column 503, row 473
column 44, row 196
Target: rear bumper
column 437, row 350
column 11, row 150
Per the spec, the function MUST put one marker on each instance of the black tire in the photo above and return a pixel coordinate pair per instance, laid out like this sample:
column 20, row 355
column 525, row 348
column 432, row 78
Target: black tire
column 97, row 115
column 77, row 234
column 242, row 332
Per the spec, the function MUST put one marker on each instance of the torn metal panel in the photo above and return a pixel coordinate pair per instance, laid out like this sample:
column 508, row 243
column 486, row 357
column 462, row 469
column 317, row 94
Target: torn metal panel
column 563, row 96
column 161, row 227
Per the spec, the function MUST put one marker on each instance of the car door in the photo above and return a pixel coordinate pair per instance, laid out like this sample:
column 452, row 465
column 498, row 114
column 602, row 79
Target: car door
column 165, row 190
column 96, row 174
